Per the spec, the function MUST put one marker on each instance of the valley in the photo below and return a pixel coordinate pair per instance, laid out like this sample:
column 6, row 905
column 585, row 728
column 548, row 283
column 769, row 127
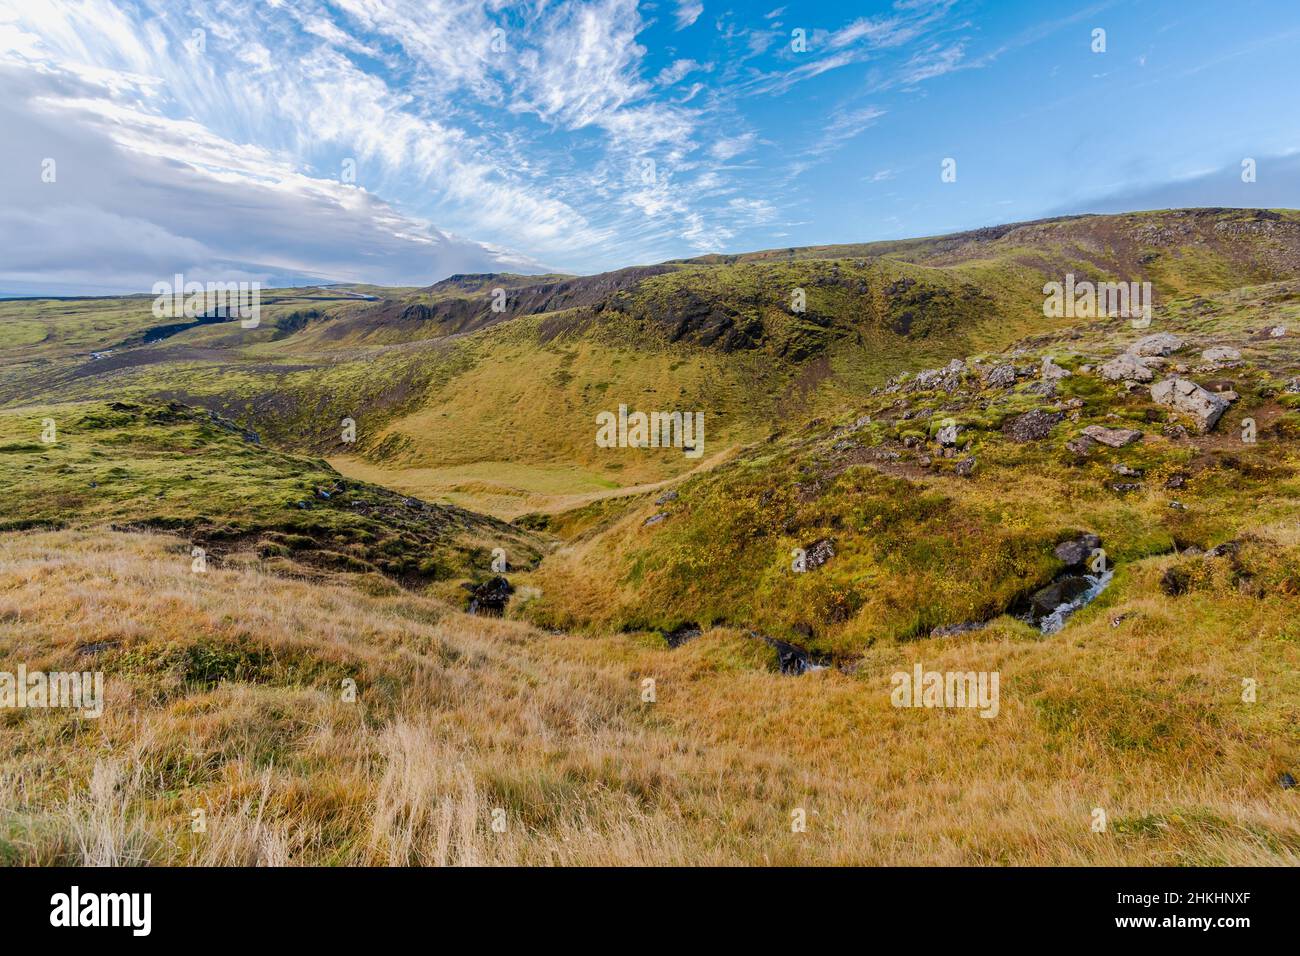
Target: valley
column 908, row 465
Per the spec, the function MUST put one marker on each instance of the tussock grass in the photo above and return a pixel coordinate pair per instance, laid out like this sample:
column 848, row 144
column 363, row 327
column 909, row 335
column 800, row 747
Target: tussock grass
column 457, row 717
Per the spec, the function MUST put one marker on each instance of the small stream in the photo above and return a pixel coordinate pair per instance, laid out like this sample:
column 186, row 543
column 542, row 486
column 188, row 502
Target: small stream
column 1089, row 587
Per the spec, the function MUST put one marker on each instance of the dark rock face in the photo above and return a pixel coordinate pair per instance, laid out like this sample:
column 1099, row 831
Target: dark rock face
column 1031, row 426
column 792, row 660
column 489, row 597
column 692, row 318
column 1046, row 600
column 1074, row 553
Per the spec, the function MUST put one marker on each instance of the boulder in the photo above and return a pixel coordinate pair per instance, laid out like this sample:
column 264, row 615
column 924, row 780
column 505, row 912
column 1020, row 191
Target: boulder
column 1112, row 437
column 1065, row 591
column 790, row 659
column 1081, row 446
column 1031, row 426
column 1162, row 343
column 1075, row 552
column 1221, row 353
column 1052, row 371
column 489, row 597
column 1187, row 397
column 965, row 468
column 947, row 436
column 1127, row 368
column 818, row 553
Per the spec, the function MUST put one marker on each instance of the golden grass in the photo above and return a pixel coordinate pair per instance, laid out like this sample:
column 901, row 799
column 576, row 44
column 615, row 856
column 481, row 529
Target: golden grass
column 458, row 717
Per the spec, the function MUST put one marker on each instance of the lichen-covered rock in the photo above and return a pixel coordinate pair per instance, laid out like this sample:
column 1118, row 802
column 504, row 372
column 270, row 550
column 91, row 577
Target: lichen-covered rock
column 1075, row 552
column 1127, row 368
column 1185, row 396
column 1031, row 426
column 947, row 435
column 1051, row 371
column 1162, row 343
column 1081, row 446
column 1001, row 376
column 1221, row 353
column 818, row 553
column 1112, row 437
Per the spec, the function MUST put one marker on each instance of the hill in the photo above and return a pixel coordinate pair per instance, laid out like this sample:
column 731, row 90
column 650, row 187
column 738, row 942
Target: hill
column 917, row 469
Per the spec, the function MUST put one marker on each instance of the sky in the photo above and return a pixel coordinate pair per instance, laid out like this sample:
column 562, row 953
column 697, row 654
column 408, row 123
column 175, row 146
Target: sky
column 397, row 143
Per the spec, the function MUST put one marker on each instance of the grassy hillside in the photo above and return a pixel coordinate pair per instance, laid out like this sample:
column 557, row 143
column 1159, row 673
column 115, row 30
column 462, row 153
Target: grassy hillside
column 941, row 458
column 127, row 465
column 918, row 545
column 225, row 696
column 446, row 390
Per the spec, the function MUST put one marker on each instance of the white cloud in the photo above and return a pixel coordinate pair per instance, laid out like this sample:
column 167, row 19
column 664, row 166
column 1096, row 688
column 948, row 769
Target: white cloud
column 136, row 197
column 678, row 69
column 688, row 11
column 729, row 147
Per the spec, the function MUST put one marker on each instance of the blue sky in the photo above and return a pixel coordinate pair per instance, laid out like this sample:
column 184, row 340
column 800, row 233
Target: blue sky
column 396, row 142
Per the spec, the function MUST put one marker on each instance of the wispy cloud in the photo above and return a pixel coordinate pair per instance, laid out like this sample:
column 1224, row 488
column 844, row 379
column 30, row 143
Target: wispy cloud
column 688, row 11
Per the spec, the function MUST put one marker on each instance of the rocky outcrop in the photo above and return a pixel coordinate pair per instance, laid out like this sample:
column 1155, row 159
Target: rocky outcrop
column 489, row 597
column 1112, row 437
column 1001, row 376
column 790, row 659
column 1066, row 590
column 1188, row 398
column 683, row 633
column 1031, row 426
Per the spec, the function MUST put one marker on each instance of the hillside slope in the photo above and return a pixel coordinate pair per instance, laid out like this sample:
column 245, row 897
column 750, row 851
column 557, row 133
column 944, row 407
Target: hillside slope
column 495, row 409
column 918, row 471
